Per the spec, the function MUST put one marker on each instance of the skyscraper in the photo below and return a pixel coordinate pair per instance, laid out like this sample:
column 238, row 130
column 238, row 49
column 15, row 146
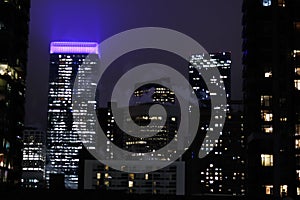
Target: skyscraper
column 63, row 141
column 271, row 52
column 222, row 171
column 14, row 31
column 169, row 180
column 34, row 157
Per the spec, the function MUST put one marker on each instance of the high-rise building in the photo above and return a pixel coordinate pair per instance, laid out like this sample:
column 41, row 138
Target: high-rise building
column 169, row 180
column 63, row 140
column 14, row 29
column 271, row 60
column 34, row 157
column 222, row 171
column 220, row 60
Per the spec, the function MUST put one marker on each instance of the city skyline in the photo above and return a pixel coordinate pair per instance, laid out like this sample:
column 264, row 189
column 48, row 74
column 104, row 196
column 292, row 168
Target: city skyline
column 104, row 20
column 172, row 99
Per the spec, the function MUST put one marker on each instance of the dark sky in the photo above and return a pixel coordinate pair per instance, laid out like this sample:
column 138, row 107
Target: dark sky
column 215, row 24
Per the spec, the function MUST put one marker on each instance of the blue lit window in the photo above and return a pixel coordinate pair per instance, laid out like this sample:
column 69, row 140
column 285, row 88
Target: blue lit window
column 266, row 2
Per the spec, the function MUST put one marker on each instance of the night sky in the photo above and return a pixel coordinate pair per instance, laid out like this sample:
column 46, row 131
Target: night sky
column 215, row 24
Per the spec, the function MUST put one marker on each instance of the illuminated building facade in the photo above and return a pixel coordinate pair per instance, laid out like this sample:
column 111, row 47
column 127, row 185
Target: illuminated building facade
column 221, row 60
column 222, row 171
column 63, row 141
column 271, row 60
column 34, row 157
column 167, row 181
column 171, row 179
column 14, row 29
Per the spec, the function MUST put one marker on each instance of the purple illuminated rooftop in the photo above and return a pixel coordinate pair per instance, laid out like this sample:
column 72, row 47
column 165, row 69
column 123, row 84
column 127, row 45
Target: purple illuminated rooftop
column 74, row 47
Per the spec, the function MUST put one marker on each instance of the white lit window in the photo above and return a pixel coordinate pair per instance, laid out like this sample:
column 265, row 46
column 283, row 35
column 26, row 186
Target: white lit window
column 267, row 128
column 130, row 184
column 266, row 160
column 298, row 174
column 298, row 191
column 297, row 143
column 266, row 115
column 283, row 189
column 297, row 84
column 98, row 175
column 266, row 2
column 296, row 53
column 268, row 74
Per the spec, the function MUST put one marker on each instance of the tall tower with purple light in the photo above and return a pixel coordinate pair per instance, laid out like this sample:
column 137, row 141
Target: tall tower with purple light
column 63, row 141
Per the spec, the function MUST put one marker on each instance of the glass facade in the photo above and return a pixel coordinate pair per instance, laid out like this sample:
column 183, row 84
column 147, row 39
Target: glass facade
column 34, row 157
column 63, row 141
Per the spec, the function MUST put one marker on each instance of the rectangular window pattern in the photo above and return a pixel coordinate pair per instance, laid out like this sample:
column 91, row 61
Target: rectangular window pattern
column 266, row 160
column 266, row 115
column 265, row 100
column 297, row 143
column 297, row 84
column 267, row 128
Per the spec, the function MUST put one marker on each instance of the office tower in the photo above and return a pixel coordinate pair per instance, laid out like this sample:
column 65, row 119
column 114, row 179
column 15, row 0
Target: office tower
column 63, row 140
column 169, row 180
column 271, row 52
column 14, row 28
column 222, row 171
column 34, row 157
column 221, row 60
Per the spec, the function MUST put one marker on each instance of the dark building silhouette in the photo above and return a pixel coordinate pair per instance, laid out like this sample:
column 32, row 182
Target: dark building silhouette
column 271, row 61
column 14, row 29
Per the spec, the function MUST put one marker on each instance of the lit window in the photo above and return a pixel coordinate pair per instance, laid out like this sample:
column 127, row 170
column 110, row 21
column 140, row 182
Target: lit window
column 296, row 53
column 146, row 176
column 265, row 100
column 266, row 160
column 266, row 115
column 297, row 26
column 269, row 189
column 297, row 84
column 281, row 3
column 297, row 143
column 106, row 183
column 131, row 176
column 130, row 184
column 297, row 71
column 298, row 191
column 283, row 190
column 98, row 175
column 266, row 2
column 298, row 174
column 267, row 128
column 268, row 74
